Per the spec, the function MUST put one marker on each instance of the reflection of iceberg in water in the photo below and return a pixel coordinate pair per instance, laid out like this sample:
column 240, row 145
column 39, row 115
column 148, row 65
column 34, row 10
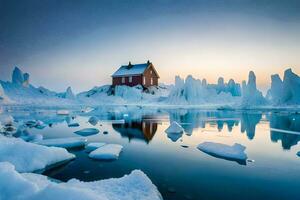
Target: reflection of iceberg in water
column 289, row 122
column 142, row 129
column 249, row 122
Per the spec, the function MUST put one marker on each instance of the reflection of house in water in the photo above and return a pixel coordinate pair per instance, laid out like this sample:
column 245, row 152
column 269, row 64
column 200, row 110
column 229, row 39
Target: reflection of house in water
column 285, row 122
column 142, row 129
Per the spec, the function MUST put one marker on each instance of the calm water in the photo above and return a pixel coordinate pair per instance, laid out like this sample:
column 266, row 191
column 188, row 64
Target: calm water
column 174, row 164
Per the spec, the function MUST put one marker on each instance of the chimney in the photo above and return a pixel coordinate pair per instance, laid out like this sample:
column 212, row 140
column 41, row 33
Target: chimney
column 148, row 62
column 129, row 65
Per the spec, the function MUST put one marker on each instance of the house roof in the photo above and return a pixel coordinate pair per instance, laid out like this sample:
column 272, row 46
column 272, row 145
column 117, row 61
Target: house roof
column 134, row 69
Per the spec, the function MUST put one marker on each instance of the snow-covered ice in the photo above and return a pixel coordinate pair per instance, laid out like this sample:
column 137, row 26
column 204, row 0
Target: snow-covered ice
column 28, row 186
column 234, row 152
column 87, row 131
column 107, row 152
column 93, row 146
column 28, row 157
column 70, row 142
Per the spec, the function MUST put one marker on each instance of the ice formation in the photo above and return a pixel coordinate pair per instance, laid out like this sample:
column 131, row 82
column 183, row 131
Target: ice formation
column 87, row 131
column 28, row 157
column 234, row 152
column 70, row 142
column 251, row 96
column 3, row 98
column 107, row 152
column 286, row 91
column 93, row 120
column 174, row 128
column 29, row 186
column 93, row 146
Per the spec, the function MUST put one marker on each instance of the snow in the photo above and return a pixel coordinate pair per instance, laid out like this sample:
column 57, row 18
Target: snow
column 174, row 128
column 3, row 98
column 251, row 96
column 234, row 152
column 107, row 152
column 28, row 157
column 134, row 70
column 33, row 187
column 70, row 142
column 93, row 146
column 87, row 131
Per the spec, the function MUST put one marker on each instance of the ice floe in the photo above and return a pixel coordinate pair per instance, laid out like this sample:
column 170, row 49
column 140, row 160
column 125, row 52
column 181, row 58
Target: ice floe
column 74, row 124
column 87, row 131
column 174, row 128
column 93, row 146
column 107, row 152
column 70, row 142
column 28, row 157
column 235, row 152
column 14, row 185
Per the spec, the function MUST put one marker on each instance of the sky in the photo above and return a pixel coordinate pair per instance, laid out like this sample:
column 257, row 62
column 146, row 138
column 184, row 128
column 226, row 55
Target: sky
column 79, row 43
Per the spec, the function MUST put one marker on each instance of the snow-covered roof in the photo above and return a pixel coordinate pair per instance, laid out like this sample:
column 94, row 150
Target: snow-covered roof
column 134, row 69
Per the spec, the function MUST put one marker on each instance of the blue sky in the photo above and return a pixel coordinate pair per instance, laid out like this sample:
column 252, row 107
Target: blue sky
column 81, row 43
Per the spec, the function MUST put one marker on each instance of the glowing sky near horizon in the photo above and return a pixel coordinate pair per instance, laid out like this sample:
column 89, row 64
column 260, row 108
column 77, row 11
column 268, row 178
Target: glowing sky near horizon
column 81, row 43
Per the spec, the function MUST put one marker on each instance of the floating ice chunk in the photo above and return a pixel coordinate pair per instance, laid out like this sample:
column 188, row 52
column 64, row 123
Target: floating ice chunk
column 28, row 157
column 62, row 112
column 107, row 152
column 87, row 131
column 174, row 136
column 31, row 186
column 75, row 124
column 70, row 142
column 174, row 128
column 233, row 153
column 93, row 120
column 94, row 145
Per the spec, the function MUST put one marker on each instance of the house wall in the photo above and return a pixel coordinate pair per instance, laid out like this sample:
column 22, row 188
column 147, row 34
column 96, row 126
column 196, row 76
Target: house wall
column 138, row 79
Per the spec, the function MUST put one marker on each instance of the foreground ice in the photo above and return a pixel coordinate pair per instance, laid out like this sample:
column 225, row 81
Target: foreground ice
column 107, row 152
column 174, row 128
column 14, row 185
column 234, row 152
column 73, row 124
column 87, row 131
column 28, row 157
column 70, row 142
column 93, row 146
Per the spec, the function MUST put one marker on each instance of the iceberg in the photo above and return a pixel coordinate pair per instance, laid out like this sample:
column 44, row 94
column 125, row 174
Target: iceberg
column 70, row 142
column 29, row 157
column 218, row 150
column 87, row 131
column 107, row 152
column 174, row 128
column 251, row 96
column 94, row 145
column 29, row 186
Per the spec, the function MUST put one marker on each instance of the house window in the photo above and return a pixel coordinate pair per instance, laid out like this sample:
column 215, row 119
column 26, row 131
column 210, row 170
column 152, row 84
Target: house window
column 130, row 79
column 151, row 81
column 144, row 80
column 123, row 80
column 150, row 71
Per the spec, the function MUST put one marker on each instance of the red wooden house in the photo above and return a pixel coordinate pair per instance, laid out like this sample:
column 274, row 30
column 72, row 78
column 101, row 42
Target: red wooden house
column 136, row 74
